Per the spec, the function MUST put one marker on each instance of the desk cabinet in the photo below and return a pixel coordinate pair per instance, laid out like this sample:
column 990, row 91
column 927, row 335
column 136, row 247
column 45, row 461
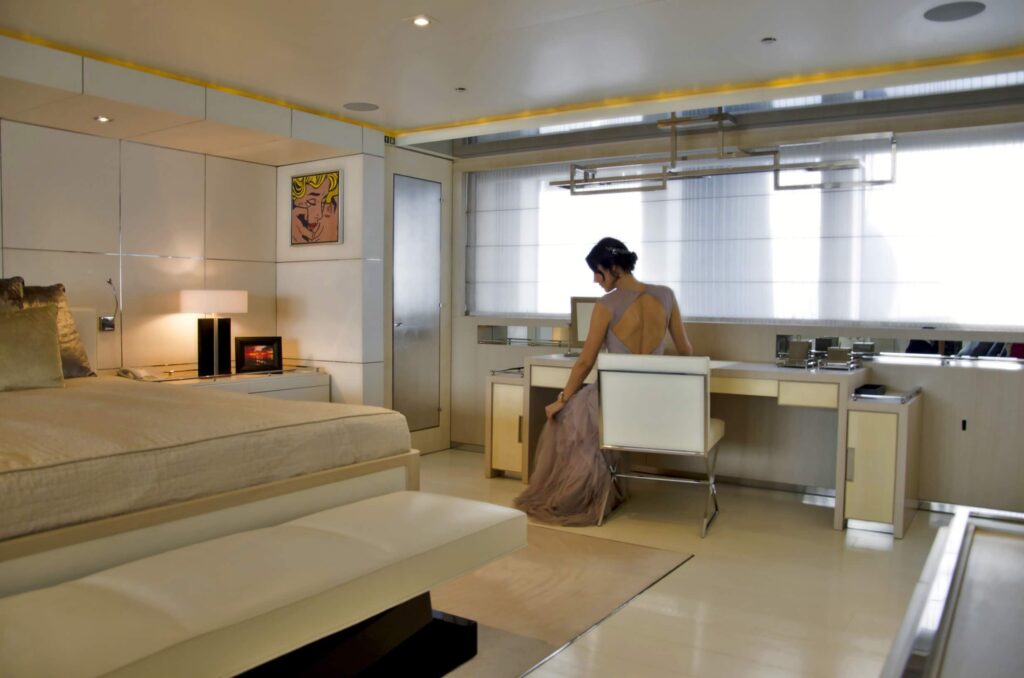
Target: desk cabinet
column 871, row 465
column 881, row 462
column 503, row 442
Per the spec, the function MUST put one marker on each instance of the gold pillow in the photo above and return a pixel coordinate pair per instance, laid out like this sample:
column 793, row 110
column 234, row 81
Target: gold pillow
column 29, row 349
column 12, row 293
column 72, row 352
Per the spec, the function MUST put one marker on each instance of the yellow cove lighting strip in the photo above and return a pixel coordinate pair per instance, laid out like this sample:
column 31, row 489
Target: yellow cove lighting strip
column 822, row 77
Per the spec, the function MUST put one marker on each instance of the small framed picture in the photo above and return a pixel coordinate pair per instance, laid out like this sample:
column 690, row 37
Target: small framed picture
column 257, row 354
column 317, row 208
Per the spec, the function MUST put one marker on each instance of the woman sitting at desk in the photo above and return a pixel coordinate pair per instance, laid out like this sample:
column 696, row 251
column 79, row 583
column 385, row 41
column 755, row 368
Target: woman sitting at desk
column 572, row 484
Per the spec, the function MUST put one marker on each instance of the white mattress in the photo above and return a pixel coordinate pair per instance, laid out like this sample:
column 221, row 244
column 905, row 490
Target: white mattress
column 103, row 446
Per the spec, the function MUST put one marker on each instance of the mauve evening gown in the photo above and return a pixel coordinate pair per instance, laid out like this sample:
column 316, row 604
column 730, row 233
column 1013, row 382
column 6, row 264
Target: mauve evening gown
column 571, row 483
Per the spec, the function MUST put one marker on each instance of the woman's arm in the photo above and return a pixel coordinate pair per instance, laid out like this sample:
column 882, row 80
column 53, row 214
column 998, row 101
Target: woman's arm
column 599, row 320
column 678, row 332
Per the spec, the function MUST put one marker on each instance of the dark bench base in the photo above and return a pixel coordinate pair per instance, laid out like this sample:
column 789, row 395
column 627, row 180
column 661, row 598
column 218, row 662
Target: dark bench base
column 408, row 639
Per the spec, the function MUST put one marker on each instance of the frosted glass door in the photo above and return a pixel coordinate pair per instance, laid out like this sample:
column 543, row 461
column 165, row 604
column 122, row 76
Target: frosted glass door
column 417, row 301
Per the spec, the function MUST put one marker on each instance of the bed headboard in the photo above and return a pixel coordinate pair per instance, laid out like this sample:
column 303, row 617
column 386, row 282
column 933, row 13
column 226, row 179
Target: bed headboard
column 85, row 320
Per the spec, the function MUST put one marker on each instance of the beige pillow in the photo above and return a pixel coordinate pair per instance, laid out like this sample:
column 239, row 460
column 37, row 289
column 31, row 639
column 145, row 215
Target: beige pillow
column 29, row 349
column 72, row 352
column 12, row 294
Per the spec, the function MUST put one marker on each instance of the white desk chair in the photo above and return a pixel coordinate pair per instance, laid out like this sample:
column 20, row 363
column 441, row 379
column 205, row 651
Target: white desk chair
column 660, row 404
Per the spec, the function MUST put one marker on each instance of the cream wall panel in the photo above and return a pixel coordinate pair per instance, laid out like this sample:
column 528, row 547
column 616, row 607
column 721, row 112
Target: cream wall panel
column 347, row 138
column 372, row 231
column 142, row 89
column 373, row 142
column 980, row 466
column 246, row 112
column 351, row 229
column 161, row 201
column 40, row 65
column 205, row 136
column 373, row 384
column 84, row 277
column 320, row 310
column 282, row 152
column 155, row 332
column 373, row 311
column 240, row 210
column 60, row 190
column 17, row 96
column 260, row 279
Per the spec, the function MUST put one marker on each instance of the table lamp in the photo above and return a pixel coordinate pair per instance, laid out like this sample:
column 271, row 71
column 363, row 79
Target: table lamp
column 214, row 348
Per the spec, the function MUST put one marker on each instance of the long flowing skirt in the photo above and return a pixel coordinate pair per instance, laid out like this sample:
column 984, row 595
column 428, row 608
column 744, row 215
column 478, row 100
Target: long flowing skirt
column 571, row 483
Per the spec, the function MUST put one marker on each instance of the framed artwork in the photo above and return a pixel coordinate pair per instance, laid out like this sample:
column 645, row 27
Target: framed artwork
column 317, row 208
column 257, row 354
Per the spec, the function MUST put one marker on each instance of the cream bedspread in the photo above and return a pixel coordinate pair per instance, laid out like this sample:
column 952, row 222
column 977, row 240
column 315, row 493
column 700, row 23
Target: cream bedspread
column 106, row 445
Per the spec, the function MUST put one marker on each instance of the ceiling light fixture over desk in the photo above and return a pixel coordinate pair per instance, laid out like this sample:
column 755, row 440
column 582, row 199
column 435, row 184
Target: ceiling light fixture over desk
column 214, row 334
column 594, row 178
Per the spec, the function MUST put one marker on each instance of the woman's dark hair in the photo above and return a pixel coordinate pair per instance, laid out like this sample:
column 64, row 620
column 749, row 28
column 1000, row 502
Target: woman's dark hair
column 609, row 252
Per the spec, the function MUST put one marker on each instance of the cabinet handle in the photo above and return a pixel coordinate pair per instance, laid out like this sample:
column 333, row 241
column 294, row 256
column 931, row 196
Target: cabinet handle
column 851, row 454
column 519, row 430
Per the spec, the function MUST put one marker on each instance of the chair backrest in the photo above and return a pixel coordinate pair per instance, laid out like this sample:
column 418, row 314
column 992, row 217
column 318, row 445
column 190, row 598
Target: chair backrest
column 655, row 403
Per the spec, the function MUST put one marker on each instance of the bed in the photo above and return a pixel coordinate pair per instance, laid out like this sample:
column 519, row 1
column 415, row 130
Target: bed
column 109, row 469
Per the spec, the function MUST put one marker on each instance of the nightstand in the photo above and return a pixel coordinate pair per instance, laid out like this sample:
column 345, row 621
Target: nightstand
column 300, row 383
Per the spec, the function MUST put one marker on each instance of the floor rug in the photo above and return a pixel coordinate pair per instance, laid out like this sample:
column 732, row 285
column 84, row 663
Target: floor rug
column 532, row 602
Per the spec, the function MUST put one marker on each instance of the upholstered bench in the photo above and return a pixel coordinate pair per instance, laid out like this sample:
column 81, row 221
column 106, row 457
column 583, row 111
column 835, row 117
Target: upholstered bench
column 222, row 606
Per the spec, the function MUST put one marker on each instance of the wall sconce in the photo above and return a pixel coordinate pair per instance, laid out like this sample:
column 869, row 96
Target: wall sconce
column 214, row 334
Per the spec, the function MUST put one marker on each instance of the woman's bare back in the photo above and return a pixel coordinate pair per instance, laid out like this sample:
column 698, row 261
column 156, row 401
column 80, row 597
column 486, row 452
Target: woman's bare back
column 641, row 328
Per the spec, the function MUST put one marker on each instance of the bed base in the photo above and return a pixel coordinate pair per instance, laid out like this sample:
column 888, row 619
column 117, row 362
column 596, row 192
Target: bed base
column 47, row 558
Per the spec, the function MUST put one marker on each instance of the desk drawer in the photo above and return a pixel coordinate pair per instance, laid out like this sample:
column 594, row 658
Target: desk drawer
column 806, row 394
column 768, row 388
column 555, row 377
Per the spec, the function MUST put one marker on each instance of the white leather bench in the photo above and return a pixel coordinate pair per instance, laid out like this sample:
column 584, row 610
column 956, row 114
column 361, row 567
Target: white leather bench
column 223, row 606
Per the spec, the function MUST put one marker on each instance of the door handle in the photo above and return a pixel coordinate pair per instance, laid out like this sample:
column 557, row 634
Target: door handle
column 851, row 454
column 519, row 430
column 398, row 324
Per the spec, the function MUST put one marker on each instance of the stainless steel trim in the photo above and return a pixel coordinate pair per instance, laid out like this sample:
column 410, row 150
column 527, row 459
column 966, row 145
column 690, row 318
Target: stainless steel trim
column 667, row 479
column 976, row 511
column 869, row 526
column 900, row 398
column 920, row 645
column 843, row 184
column 826, row 494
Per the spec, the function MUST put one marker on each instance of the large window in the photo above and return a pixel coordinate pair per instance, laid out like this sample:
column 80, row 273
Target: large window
column 942, row 245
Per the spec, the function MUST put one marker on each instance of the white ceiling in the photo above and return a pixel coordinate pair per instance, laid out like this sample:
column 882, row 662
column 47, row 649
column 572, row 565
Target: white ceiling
column 513, row 56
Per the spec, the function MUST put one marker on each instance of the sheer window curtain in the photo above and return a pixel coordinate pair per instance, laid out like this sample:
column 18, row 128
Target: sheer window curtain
column 940, row 246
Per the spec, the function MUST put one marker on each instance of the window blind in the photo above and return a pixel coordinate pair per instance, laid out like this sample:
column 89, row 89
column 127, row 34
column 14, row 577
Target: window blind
column 939, row 246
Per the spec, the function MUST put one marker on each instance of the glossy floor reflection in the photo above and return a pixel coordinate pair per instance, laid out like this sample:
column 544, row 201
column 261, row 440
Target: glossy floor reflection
column 772, row 591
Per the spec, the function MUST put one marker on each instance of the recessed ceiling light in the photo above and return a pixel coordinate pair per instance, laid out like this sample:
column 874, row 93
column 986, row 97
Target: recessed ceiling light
column 103, row 118
column 954, row 11
column 361, row 106
column 422, row 21
column 768, row 40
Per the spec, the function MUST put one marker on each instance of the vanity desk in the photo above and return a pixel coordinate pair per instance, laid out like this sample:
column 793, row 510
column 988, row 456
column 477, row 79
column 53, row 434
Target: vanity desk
column 819, row 389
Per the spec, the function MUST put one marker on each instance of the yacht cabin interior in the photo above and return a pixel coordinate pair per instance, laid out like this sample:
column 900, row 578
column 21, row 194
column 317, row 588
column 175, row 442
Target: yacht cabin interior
column 286, row 290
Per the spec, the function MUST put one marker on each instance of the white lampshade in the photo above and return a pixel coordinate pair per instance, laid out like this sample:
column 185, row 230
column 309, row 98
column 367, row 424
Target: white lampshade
column 214, row 301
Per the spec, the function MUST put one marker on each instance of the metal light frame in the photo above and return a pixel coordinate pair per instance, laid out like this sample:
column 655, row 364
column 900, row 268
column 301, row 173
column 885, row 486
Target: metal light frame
column 584, row 176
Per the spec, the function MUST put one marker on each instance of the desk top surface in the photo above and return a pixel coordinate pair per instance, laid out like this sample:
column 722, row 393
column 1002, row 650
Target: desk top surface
column 736, row 369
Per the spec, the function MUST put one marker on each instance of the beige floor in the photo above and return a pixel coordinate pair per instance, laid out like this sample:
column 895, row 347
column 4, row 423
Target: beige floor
column 772, row 590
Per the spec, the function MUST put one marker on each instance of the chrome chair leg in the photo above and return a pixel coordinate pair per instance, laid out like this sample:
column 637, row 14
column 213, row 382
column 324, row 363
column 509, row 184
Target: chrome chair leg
column 614, row 472
column 712, row 499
